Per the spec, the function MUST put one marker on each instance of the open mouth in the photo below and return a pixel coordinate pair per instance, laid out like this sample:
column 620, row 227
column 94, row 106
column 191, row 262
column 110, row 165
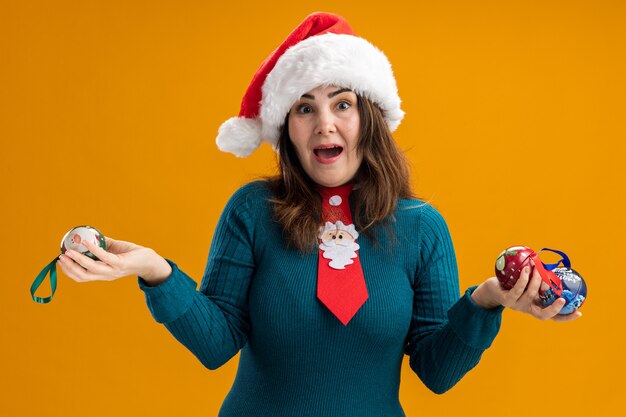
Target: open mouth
column 327, row 153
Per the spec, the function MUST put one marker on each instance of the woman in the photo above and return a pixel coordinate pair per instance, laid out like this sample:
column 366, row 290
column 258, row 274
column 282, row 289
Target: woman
column 327, row 274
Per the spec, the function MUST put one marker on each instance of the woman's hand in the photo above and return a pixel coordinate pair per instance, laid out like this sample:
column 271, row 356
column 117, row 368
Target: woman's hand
column 524, row 297
column 121, row 259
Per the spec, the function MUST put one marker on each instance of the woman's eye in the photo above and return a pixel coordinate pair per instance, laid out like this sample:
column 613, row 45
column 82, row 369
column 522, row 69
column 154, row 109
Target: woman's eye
column 343, row 105
column 304, row 108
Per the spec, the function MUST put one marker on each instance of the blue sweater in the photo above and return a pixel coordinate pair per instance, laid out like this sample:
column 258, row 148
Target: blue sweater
column 297, row 359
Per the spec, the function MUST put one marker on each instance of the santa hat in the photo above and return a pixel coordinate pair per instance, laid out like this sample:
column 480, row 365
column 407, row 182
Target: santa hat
column 322, row 50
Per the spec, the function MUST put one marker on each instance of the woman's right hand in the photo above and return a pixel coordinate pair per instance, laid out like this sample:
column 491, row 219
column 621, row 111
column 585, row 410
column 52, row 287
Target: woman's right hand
column 121, row 259
column 523, row 297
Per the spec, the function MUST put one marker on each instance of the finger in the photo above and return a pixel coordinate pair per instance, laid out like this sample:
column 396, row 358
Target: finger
column 115, row 246
column 71, row 269
column 531, row 295
column 552, row 310
column 567, row 317
column 518, row 289
column 102, row 254
column 82, row 260
column 86, row 269
column 61, row 265
column 110, row 242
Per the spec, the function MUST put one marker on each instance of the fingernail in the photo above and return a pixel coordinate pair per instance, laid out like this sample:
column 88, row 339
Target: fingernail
column 527, row 269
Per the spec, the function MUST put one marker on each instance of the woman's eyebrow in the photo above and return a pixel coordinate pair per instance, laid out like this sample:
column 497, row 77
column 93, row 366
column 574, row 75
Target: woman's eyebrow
column 343, row 90
column 331, row 95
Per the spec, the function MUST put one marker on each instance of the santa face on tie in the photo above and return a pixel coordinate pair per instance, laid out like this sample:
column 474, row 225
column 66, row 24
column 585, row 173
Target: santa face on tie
column 339, row 244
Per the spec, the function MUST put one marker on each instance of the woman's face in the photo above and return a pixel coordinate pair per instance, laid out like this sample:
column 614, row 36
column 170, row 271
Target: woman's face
column 324, row 128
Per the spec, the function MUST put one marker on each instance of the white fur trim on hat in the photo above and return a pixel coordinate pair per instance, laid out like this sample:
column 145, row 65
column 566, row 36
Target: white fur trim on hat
column 330, row 59
column 239, row 136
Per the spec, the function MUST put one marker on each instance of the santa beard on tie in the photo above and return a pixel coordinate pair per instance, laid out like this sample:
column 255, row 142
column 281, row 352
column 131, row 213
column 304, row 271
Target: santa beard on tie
column 339, row 244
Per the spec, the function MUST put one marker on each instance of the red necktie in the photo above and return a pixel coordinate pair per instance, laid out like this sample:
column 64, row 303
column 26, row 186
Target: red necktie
column 340, row 281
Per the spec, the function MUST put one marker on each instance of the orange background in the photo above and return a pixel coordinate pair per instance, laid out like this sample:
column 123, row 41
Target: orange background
column 108, row 114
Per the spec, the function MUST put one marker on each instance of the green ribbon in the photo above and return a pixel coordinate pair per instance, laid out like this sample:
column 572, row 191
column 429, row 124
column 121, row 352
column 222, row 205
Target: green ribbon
column 52, row 268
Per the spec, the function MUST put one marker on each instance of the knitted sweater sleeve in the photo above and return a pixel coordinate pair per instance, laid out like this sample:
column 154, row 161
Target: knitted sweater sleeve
column 213, row 323
column 447, row 335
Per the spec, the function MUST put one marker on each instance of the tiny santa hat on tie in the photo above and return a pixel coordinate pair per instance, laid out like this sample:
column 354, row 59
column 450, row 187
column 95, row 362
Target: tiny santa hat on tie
column 322, row 50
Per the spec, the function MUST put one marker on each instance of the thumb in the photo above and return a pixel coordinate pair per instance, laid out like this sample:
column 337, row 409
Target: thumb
column 102, row 254
column 119, row 247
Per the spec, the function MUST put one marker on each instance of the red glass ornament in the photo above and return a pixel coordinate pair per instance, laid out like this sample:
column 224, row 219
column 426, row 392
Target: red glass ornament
column 510, row 263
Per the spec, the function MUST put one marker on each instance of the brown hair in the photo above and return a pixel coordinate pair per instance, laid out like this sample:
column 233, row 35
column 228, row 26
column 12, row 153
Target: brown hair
column 381, row 180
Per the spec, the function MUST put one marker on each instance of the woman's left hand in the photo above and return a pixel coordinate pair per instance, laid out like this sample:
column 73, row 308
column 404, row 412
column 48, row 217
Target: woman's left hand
column 524, row 297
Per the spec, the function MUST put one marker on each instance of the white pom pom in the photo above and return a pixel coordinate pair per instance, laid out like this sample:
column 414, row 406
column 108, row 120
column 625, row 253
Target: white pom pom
column 239, row 136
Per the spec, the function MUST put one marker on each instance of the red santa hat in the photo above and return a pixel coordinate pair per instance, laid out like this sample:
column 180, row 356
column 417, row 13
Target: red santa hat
column 322, row 50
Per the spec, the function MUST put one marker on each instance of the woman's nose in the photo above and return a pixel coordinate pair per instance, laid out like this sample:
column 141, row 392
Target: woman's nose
column 325, row 123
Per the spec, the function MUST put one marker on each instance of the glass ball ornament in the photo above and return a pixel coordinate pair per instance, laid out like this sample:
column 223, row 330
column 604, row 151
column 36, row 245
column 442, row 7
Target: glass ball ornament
column 75, row 238
column 574, row 290
column 510, row 263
